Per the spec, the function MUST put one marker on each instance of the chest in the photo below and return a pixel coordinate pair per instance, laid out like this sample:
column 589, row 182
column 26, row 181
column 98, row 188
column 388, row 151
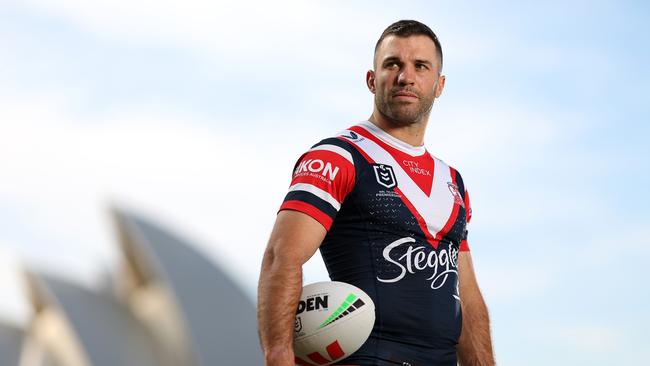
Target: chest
column 409, row 195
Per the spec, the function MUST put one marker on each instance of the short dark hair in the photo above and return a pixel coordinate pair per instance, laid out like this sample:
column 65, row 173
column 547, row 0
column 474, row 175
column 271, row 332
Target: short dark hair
column 407, row 28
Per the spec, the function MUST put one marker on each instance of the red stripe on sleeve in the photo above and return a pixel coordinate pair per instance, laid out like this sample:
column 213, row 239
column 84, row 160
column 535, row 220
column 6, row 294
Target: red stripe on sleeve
column 464, row 246
column 326, row 170
column 468, row 207
column 309, row 210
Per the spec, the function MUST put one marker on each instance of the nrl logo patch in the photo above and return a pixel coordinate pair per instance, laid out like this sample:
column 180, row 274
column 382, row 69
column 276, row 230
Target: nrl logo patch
column 297, row 326
column 385, row 175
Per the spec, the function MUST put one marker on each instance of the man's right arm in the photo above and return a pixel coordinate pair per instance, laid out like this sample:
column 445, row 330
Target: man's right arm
column 295, row 238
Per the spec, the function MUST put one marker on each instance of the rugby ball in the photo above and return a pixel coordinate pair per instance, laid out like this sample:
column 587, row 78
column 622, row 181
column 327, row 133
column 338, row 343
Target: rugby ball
column 333, row 320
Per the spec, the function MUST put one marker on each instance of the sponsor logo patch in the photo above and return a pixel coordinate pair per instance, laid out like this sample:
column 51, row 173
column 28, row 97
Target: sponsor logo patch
column 411, row 258
column 317, row 167
column 414, row 167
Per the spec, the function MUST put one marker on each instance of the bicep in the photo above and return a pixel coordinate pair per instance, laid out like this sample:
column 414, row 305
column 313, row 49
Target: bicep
column 295, row 237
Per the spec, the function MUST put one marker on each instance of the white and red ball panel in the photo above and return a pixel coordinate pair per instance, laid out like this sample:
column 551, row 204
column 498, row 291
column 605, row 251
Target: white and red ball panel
column 333, row 320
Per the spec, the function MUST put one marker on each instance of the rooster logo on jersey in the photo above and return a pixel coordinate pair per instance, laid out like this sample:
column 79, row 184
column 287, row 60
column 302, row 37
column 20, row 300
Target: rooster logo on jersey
column 456, row 193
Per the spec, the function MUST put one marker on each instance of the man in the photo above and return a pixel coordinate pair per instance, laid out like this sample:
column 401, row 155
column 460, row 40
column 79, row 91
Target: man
column 388, row 218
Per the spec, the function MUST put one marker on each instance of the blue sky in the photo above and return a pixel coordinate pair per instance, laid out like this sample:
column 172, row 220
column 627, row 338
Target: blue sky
column 193, row 114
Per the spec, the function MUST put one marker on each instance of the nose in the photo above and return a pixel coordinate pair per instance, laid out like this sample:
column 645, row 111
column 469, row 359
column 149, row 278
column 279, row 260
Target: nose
column 406, row 76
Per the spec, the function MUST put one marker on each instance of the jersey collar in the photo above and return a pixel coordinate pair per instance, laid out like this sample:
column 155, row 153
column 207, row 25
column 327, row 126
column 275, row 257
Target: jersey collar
column 392, row 141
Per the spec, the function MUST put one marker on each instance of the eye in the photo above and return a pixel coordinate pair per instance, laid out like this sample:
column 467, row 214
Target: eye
column 392, row 65
column 422, row 66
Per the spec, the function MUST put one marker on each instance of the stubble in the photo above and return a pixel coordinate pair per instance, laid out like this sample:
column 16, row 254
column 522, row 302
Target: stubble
column 402, row 113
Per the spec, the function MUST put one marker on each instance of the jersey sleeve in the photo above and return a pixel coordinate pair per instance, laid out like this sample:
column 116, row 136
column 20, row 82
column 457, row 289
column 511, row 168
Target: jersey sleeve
column 464, row 245
column 321, row 180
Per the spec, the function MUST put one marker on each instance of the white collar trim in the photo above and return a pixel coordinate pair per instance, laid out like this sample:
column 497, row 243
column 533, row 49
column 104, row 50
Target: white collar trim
column 393, row 141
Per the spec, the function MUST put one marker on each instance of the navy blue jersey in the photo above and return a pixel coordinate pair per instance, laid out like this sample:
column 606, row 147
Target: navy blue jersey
column 396, row 218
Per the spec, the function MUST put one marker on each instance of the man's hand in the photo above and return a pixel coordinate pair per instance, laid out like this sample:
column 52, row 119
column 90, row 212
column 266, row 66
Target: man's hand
column 475, row 343
column 294, row 239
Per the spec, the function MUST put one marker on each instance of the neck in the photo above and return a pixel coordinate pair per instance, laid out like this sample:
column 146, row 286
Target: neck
column 412, row 134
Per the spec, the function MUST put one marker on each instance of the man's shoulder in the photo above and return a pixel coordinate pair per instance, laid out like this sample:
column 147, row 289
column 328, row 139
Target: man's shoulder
column 455, row 173
column 335, row 141
column 341, row 142
column 343, row 138
column 333, row 149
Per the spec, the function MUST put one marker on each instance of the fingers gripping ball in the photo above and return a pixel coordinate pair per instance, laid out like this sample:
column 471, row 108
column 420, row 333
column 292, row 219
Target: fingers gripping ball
column 333, row 320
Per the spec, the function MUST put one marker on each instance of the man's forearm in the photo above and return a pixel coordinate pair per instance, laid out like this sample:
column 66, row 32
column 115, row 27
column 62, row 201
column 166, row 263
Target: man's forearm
column 279, row 290
column 475, row 343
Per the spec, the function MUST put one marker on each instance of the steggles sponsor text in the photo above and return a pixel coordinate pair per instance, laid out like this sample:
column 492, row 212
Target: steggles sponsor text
column 442, row 263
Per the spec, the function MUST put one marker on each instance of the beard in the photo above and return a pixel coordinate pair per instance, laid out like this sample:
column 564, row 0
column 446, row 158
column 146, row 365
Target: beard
column 404, row 113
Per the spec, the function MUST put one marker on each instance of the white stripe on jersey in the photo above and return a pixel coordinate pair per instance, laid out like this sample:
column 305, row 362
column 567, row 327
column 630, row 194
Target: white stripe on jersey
column 434, row 209
column 306, row 187
column 393, row 141
column 335, row 149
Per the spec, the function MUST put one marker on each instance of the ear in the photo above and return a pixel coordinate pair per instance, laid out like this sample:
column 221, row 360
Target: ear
column 370, row 81
column 440, row 86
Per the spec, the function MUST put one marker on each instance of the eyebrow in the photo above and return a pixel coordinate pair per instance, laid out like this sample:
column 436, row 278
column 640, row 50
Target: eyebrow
column 391, row 58
column 395, row 58
column 424, row 62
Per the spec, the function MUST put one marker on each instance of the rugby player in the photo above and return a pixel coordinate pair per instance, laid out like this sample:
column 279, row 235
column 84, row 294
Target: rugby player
column 389, row 218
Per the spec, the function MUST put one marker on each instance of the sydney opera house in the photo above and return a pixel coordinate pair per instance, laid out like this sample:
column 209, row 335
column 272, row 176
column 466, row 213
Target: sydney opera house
column 166, row 305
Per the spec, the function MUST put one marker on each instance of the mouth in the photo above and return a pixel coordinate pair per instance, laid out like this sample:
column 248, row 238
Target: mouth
column 403, row 94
